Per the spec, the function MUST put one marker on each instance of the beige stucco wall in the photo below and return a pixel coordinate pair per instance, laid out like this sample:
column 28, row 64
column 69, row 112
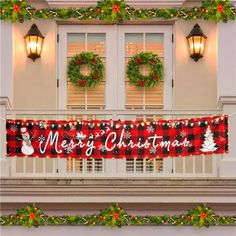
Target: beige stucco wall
column 195, row 82
column 35, row 82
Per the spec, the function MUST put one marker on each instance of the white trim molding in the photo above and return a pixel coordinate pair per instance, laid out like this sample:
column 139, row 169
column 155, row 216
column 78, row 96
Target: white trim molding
column 226, row 100
column 135, row 3
column 5, row 101
column 6, row 62
column 120, row 190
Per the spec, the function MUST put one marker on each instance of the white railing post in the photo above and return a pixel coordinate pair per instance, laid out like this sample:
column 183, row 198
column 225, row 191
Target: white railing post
column 168, row 165
column 61, row 166
column 6, row 87
column 226, row 90
column 4, row 162
column 228, row 163
column 110, row 167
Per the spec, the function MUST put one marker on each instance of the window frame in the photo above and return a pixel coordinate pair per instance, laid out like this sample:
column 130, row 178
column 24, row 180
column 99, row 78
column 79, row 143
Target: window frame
column 115, row 71
column 162, row 29
column 62, row 59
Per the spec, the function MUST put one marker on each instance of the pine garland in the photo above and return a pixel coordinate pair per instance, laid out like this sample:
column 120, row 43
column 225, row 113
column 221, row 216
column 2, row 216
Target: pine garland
column 117, row 10
column 115, row 216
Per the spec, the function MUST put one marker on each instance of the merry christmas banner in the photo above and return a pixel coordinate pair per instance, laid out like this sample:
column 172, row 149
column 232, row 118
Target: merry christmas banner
column 117, row 139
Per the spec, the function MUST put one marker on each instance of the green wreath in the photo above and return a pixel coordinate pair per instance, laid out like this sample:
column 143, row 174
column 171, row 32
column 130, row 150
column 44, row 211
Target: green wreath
column 96, row 69
column 145, row 59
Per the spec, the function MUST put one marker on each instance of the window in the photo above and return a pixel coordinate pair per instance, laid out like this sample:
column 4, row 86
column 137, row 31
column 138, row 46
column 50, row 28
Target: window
column 115, row 44
column 144, row 166
column 85, row 166
column 80, row 98
column 141, row 98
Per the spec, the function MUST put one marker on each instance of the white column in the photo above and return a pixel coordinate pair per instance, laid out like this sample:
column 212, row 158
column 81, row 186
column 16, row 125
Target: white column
column 6, row 88
column 226, row 82
column 6, row 60
column 226, row 59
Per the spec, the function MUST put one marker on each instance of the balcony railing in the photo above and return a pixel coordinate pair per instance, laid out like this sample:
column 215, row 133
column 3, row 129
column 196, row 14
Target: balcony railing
column 192, row 166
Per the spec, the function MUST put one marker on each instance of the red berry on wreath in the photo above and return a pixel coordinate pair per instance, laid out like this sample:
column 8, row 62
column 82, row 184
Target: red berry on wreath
column 155, row 76
column 32, row 215
column 93, row 61
column 116, row 8
column 82, row 83
column 153, row 61
column 80, row 60
column 115, row 215
column 96, row 76
column 138, row 61
column 16, row 8
column 203, row 215
column 141, row 83
column 220, row 8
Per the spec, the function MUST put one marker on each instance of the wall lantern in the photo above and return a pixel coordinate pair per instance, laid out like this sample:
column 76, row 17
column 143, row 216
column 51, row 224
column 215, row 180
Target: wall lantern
column 34, row 42
column 196, row 42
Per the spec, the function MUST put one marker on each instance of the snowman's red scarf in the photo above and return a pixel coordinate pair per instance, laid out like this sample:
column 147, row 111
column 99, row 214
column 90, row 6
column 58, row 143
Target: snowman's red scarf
column 119, row 139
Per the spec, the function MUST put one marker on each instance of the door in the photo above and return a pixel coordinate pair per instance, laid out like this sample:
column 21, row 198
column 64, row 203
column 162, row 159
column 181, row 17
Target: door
column 116, row 44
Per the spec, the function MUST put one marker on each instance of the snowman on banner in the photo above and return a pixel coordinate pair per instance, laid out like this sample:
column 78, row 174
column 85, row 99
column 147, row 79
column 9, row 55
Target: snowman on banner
column 27, row 147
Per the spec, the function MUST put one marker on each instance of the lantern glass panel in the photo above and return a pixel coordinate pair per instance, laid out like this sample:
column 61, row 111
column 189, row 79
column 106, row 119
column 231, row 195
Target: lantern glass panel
column 203, row 41
column 34, row 45
column 191, row 45
column 197, row 44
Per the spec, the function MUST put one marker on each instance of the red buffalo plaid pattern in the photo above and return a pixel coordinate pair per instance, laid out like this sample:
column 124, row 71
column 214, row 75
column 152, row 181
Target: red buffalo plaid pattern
column 110, row 139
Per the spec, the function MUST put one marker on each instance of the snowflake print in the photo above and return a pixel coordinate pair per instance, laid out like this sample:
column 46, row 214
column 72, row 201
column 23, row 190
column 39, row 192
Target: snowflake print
column 150, row 129
column 127, row 135
column 183, row 134
column 190, row 145
column 68, row 150
column 102, row 148
column 41, row 138
column 153, row 150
